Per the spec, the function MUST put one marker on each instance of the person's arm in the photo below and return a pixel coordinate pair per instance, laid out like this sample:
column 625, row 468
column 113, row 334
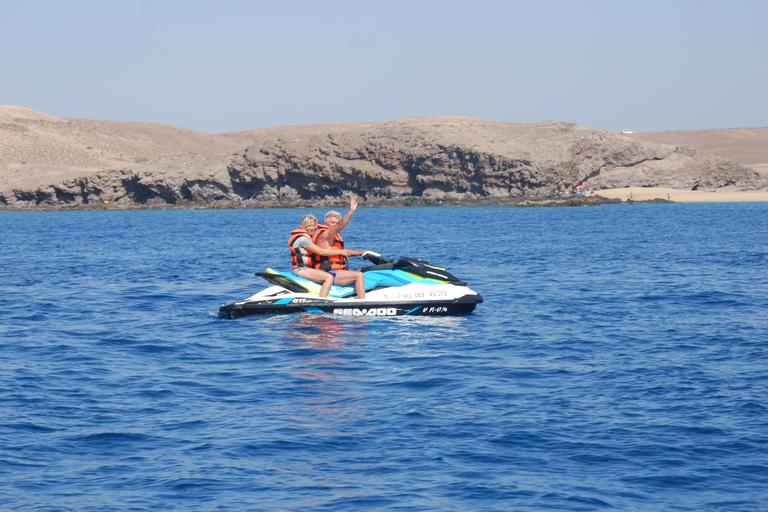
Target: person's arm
column 345, row 219
column 330, row 252
column 328, row 235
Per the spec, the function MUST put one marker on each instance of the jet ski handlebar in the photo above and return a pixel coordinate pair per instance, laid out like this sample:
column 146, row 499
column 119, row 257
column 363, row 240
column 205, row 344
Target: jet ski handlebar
column 375, row 258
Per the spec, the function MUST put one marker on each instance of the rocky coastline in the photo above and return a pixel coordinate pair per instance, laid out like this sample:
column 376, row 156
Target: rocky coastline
column 407, row 162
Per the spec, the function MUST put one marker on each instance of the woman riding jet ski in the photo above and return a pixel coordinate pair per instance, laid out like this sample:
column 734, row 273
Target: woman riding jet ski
column 406, row 286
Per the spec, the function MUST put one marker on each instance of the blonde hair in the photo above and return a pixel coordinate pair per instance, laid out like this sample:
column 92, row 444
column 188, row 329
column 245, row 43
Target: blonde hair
column 307, row 220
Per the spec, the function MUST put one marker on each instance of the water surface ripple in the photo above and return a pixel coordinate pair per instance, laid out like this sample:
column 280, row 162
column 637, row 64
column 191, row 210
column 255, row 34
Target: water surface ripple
column 618, row 363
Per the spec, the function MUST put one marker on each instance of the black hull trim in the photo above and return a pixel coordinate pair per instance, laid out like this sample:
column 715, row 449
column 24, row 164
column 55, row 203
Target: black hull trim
column 461, row 306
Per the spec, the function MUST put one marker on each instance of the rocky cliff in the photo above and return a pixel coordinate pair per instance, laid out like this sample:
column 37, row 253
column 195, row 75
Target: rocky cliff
column 407, row 161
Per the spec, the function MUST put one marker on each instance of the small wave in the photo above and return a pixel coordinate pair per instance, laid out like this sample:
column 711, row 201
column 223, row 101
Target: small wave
column 28, row 427
column 112, row 438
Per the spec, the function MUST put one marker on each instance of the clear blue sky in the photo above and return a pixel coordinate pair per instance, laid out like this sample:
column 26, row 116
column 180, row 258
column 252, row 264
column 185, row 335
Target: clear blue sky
column 228, row 65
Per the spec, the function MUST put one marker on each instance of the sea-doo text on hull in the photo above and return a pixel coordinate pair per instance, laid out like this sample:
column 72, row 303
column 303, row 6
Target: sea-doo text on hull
column 405, row 286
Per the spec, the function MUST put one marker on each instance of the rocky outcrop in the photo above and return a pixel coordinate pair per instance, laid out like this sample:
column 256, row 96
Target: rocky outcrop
column 407, row 161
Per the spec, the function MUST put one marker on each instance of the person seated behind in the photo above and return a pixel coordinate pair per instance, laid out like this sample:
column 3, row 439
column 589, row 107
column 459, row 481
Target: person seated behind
column 303, row 254
column 327, row 237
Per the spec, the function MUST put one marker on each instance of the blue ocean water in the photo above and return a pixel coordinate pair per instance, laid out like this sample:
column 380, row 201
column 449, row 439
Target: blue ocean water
column 619, row 362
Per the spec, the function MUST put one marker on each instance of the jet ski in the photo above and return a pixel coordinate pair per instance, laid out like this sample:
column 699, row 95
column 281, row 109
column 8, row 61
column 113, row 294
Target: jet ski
column 405, row 286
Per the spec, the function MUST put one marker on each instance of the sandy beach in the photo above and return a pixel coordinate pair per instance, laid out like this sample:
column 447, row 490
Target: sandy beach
column 683, row 196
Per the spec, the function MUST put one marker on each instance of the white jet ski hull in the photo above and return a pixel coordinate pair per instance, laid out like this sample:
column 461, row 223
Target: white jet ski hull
column 411, row 300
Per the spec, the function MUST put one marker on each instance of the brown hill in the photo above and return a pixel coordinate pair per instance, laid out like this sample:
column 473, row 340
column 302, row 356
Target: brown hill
column 36, row 148
column 747, row 146
column 47, row 162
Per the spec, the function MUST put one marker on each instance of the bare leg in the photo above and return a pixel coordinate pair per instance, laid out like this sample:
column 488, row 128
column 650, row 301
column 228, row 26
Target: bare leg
column 345, row 277
column 318, row 276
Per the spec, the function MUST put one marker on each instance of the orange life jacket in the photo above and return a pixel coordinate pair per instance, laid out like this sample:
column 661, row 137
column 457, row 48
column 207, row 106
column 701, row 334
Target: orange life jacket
column 335, row 261
column 300, row 258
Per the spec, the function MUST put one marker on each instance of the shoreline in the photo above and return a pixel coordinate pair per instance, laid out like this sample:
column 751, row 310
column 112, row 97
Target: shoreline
column 639, row 195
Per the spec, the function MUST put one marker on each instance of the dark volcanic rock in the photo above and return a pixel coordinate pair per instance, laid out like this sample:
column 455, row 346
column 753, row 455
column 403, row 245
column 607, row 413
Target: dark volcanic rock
column 403, row 162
